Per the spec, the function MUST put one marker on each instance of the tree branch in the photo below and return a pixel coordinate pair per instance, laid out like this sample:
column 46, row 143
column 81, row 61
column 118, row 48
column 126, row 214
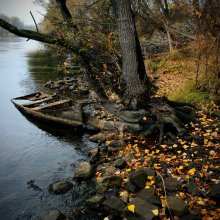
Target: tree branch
column 44, row 38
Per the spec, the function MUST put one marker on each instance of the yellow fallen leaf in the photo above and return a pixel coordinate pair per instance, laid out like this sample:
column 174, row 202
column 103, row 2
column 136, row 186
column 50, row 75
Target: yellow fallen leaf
column 157, row 151
column 145, row 118
column 180, row 167
column 155, row 212
column 193, row 144
column 214, row 134
column 150, row 177
column 185, row 146
column 131, row 208
column 192, row 171
column 108, row 142
column 205, row 141
column 201, row 202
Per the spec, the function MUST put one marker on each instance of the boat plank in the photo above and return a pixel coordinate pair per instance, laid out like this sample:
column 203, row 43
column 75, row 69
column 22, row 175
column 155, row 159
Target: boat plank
column 57, row 103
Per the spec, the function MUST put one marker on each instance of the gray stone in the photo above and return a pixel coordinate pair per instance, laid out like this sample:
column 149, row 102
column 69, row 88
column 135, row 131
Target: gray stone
column 84, row 170
column 131, row 116
column 114, row 204
column 177, row 206
column 193, row 189
column 140, row 177
column 94, row 155
column 109, row 171
column 143, row 210
column 105, row 183
column 116, row 145
column 172, row 185
column 149, row 196
column 60, row 187
column 120, row 163
column 131, row 187
column 95, row 200
column 214, row 192
column 54, row 215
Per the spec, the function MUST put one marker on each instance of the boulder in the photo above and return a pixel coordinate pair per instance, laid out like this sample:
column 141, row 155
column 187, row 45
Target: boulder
column 116, row 145
column 105, row 183
column 114, row 204
column 149, row 196
column 84, row 170
column 94, row 155
column 193, row 189
column 177, row 206
column 140, row 177
column 172, row 185
column 95, row 200
column 142, row 211
column 120, row 163
column 60, row 187
column 54, row 215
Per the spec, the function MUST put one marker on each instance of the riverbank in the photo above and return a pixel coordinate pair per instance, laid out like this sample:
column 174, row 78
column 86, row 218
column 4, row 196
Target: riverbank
column 136, row 178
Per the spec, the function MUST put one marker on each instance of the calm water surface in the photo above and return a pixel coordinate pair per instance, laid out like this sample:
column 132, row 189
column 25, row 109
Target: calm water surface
column 28, row 151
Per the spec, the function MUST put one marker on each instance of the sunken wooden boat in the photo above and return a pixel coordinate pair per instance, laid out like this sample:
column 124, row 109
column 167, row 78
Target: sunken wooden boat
column 50, row 109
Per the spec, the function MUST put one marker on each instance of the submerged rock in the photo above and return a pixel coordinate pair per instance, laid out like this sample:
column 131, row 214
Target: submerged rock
column 54, row 215
column 84, row 170
column 60, row 187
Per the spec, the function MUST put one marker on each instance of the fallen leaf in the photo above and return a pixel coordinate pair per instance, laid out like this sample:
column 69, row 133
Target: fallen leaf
column 192, row 171
column 155, row 212
column 131, row 208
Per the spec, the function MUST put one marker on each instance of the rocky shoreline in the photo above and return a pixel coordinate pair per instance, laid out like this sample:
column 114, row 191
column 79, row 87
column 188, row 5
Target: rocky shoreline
column 137, row 179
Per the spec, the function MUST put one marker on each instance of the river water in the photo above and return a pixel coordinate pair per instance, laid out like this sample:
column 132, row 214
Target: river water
column 28, row 151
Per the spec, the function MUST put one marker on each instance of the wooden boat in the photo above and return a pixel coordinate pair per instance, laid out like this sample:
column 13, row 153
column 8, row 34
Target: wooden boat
column 50, row 109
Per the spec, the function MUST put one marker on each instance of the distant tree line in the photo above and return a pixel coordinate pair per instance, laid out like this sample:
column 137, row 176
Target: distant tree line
column 14, row 21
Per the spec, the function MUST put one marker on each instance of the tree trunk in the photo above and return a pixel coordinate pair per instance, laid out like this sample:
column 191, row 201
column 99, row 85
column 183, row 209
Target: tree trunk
column 133, row 72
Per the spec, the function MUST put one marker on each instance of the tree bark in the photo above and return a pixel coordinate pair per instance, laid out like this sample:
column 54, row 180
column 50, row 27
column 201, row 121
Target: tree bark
column 133, row 71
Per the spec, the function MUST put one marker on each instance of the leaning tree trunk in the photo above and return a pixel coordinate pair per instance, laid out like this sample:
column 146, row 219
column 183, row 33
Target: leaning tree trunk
column 133, row 71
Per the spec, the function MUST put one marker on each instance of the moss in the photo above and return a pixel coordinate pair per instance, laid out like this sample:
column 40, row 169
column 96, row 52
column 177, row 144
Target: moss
column 187, row 93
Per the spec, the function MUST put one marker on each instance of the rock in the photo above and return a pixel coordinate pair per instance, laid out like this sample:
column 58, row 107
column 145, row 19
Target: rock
column 114, row 204
column 143, row 210
column 109, row 171
column 120, row 163
column 131, row 187
column 214, row 192
column 149, row 196
column 140, row 177
column 177, row 206
column 60, row 187
column 54, row 215
column 132, row 116
column 84, row 170
column 103, row 137
column 116, row 145
column 95, row 200
column 172, row 185
column 105, row 183
column 193, row 189
column 94, row 155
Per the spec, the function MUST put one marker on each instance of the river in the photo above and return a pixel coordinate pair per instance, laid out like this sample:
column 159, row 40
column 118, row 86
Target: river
column 28, row 151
